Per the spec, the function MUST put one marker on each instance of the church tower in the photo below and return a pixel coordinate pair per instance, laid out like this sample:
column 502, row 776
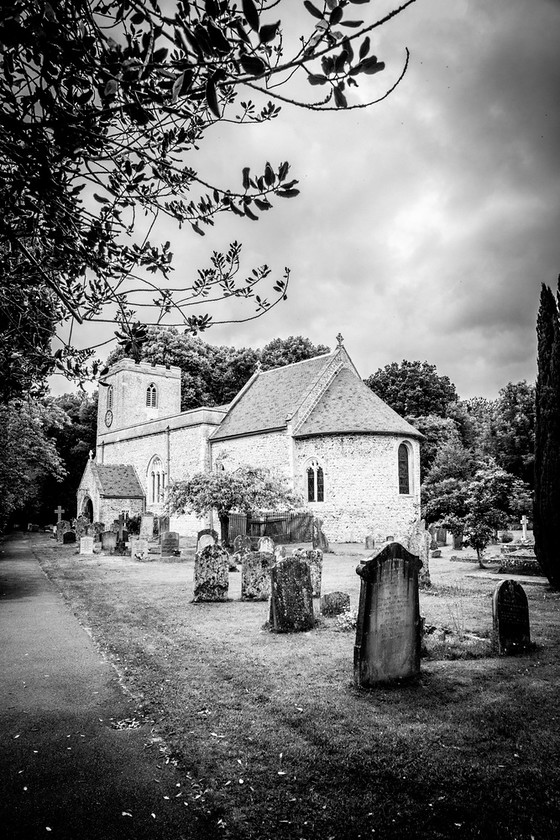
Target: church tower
column 136, row 392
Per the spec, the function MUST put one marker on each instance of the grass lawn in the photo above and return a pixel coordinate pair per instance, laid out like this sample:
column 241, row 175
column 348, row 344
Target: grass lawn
column 276, row 742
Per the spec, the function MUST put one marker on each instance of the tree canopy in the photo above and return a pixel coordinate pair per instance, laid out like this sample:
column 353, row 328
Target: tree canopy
column 103, row 104
column 413, row 389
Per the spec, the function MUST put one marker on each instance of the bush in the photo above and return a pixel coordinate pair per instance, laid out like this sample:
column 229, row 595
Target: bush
column 506, row 537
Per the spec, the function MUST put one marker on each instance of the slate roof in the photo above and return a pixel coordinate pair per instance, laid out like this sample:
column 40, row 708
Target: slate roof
column 346, row 406
column 118, row 481
column 270, row 397
column 349, row 406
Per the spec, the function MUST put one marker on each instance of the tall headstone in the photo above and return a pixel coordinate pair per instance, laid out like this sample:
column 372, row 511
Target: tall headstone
column 211, row 574
column 170, row 544
column 62, row 526
column 255, row 575
column 510, row 612
column 291, row 596
column 318, row 537
column 388, row 627
column 108, row 542
column 419, row 543
column 147, row 526
column 369, row 543
column 314, row 558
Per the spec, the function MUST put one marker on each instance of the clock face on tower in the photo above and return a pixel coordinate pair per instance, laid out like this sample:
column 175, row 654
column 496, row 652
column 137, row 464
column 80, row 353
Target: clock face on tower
column 108, row 417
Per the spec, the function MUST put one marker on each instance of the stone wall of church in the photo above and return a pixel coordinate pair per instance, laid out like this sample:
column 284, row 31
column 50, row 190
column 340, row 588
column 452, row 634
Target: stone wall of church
column 361, row 488
column 272, row 450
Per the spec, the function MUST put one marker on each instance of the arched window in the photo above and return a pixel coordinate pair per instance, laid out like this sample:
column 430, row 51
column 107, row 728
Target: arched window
column 151, row 396
column 404, row 469
column 156, row 481
column 110, row 397
column 315, row 482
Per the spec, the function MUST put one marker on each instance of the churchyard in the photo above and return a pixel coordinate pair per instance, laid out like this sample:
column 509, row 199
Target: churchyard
column 272, row 736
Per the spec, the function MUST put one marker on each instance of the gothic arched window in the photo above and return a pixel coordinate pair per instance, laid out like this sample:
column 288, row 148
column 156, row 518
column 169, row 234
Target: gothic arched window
column 404, row 469
column 156, row 481
column 151, row 396
column 109, row 397
column 315, row 482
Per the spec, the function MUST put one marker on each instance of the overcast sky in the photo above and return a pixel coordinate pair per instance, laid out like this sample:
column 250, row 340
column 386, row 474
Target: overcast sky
column 426, row 223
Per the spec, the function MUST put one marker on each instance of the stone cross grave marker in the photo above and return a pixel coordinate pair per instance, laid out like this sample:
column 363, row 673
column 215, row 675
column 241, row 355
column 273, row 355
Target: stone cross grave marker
column 335, row 603
column 169, row 544
column 388, row 627
column 86, row 545
column 59, row 511
column 211, row 574
column 524, row 522
column 255, row 575
column 510, row 613
column 291, row 596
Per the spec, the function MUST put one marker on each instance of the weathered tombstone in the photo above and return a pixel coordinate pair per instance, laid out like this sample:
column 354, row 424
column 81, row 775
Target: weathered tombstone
column 68, row 537
column 370, row 542
column 419, row 544
column 139, row 548
column 291, row 596
column 204, row 540
column 266, row 545
column 255, row 575
column 314, row 558
column 388, row 627
column 108, row 542
column 242, row 542
column 147, row 526
column 335, row 603
column 211, row 574
column 510, row 612
column 318, row 537
column 80, row 525
column 170, row 544
column 86, row 545
column 62, row 526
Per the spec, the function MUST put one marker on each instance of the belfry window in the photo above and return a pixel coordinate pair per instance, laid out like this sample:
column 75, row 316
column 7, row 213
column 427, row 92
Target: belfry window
column 315, row 482
column 151, row 396
column 156, row 481
column 404, row 469
column 110, row 397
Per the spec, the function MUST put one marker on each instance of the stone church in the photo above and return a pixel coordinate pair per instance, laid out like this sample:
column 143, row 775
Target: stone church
column 354, row 461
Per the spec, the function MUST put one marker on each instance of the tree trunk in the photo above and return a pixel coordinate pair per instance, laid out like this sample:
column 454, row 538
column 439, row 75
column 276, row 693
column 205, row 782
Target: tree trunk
column 479, row 553
column 546, row 510
column 224, row 527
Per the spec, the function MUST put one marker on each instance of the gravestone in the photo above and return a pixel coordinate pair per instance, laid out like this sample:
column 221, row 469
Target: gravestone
column 279, row 553
column 510, row 613
column 86, row 545
column 291, row 596
column 204, row 540
column 255, row 575
column 139, row 548
column 170, row 544
column 419, row 544
column 108, row 542
column 147, row 526
column 68, row 537
column 335, row 603
column 388, row 627
column 370, row 542
column 266, row 545
column 242, row 543
column 211, row 574
column 80, row 527
column 61, row 528
column 314, row 558
column 318, row 537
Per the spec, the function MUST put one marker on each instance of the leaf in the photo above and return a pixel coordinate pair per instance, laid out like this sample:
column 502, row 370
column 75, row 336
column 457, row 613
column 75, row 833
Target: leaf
column 312, row 10
column 160, row 55
column 246, row 179
column 339, row 98
column 253, row 65
column 268, row 32
column 212, row 99
column 251, row 14
column 372, row 65
column 352, row 24
column 336, row 15
column 218, row 39
column 364, row 49
column 316, row 79
column 269, row 175
column 287, row 193
column 101, row 199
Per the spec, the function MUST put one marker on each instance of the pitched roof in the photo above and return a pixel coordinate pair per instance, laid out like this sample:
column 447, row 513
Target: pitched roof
column 349, row 406
column 117, row 480
column 270, row 397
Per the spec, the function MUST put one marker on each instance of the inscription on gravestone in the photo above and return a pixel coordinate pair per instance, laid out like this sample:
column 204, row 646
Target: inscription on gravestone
column 510, row 612
column 86, row 545
column 388, row 627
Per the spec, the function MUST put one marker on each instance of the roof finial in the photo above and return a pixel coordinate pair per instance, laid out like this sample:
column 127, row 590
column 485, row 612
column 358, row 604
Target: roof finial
column 340, row 339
